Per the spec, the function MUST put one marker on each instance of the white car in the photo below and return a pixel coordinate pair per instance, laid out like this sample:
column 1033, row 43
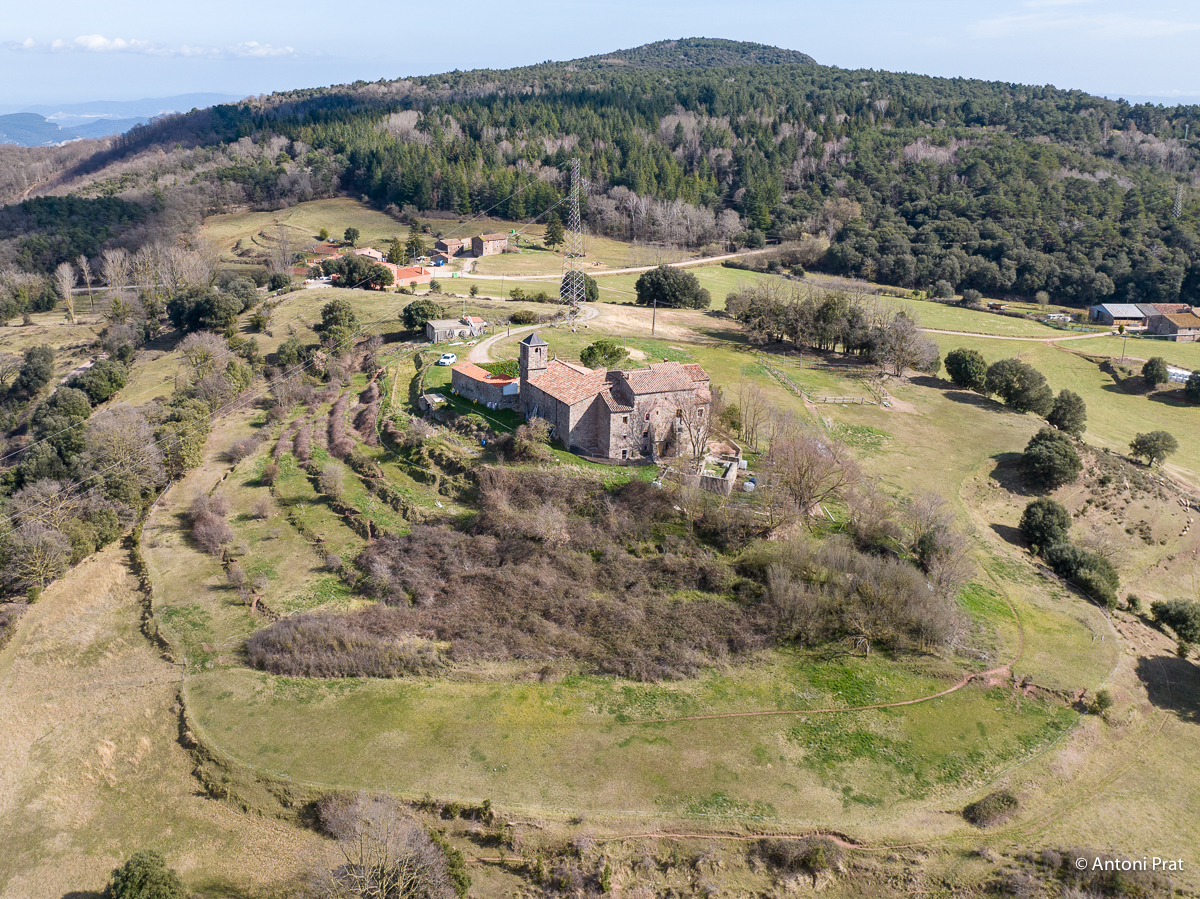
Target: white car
column 447, row 359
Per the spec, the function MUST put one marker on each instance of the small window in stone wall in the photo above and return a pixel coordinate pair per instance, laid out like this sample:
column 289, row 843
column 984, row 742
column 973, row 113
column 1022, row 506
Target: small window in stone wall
column 624, row 454
column 624, row 419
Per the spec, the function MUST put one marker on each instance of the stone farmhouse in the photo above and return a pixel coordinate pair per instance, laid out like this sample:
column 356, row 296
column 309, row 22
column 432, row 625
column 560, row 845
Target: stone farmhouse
column 489, row 244
column 1184, row 327
column 451, row 246
column 615, row 415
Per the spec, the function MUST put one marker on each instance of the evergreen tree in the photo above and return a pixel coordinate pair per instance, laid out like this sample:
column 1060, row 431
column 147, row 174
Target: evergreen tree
column 1069, row 413
column 554, row 232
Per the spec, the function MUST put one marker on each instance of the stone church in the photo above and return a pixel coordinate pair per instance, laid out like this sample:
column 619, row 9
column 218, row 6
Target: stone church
column 615, row 415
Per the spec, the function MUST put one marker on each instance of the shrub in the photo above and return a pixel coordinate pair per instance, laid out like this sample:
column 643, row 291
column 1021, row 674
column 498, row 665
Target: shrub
column 1153, row 447
column 993, row 809
column 604, row 353
column 1069, row 413
column 270, row 473
column 240, row 449
column 144, row 876
column 967, row 369
column 1021, row 386
column 102, row 380
column 524, row 317
column 1044, row 524
column 1091, row 572
column 1180, row 615
column 210, row 531
column 1101, row 703
column 332, row 480
column 329, row 645
column 971, row 297
column 810, row 855
column 1050, row 460
column 1155, row 371
column 1192, row 389
column 943, row 290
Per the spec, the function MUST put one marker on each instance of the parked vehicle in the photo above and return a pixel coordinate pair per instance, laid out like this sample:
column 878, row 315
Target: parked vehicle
column 447, row 359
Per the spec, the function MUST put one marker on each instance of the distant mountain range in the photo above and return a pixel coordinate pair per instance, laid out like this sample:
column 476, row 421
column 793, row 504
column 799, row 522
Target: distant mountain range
column 48, row 125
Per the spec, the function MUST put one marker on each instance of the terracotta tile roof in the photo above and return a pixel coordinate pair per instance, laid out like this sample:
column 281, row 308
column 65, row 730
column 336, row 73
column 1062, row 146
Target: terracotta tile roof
column 567, row 384
column 697, row 371
column 614, row 405
column 475, row 373
column 663, row 377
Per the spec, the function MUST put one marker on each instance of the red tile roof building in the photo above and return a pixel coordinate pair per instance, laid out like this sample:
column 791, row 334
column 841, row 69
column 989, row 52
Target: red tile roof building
column 617, row 415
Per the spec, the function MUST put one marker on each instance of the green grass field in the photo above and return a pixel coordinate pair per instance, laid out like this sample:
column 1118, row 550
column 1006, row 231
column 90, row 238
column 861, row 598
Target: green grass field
column 1114, row 416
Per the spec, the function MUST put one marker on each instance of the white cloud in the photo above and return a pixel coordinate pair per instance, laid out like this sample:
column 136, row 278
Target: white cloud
column 98, row 43
column 1100, row 26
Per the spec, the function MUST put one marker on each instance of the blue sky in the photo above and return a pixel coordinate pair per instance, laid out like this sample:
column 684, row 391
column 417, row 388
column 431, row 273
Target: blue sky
column 76, row 50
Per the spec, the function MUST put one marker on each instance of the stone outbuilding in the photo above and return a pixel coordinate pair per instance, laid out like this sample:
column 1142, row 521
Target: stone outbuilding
column 482, row 386
column 466, row 328
column 615, row 415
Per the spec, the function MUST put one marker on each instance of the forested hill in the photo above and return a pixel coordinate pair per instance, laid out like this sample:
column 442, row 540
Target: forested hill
column 1005, row 188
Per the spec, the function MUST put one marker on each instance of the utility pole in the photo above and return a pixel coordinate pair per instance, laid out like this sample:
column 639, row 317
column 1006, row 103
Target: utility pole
column 654, row 317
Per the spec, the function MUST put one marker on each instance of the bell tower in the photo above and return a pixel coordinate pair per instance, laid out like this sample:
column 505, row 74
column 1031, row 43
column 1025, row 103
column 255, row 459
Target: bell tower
column 533, row 357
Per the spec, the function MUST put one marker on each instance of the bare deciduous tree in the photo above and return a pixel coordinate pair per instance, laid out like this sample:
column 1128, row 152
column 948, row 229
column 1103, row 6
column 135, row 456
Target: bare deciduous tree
column 64, row 283
column 204, row 352
column 37, row 554
column 806, row 469
column 753, row 405
column 380, row 854
column 85, row 272
column 693, row 417
column 10, row 364
column 903, row 346
column 115, row 267
column 122, row 436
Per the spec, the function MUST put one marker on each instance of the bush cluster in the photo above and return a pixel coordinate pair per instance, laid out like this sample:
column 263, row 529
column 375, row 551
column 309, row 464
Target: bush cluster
column 555, row 566
column 992, row 809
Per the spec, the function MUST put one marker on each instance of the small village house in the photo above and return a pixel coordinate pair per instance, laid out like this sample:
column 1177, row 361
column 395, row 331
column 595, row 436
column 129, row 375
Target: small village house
column 451, row 246
column 438, row 330
column 408, row 276
column 371, row 253
column 489, row 244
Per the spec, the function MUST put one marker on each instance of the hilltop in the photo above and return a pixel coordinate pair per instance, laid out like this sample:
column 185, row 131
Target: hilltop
column 931, row 184
column 691, row 53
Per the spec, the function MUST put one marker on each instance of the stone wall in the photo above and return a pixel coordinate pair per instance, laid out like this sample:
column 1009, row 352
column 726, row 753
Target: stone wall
column 485, row 393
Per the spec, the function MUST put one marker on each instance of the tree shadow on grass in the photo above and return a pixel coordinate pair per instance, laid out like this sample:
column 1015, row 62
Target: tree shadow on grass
column 83, row 894
column 1009, row 535
column 1174, row 398
column 1172, row 684
column 1008, row 474
column 970, row 398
